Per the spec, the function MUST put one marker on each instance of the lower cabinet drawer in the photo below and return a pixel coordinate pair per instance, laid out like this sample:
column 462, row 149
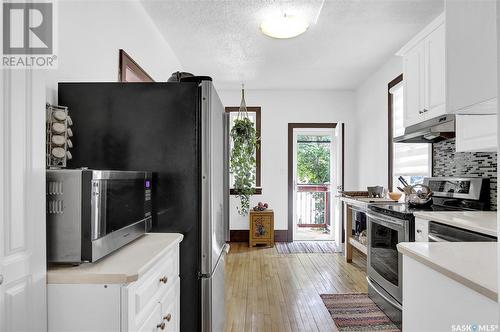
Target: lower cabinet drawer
column 142, row 297
column 149, row 289
column 153, row 322
column 170, row 308
column 421, row 230
column 165, row 315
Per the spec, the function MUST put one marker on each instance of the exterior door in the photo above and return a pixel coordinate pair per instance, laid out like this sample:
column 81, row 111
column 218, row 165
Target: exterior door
column 22, row 217
column 313, row 169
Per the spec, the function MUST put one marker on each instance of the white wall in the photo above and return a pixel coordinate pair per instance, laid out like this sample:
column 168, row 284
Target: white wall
column 372, row 125
column 90, row 34
column 280, row 107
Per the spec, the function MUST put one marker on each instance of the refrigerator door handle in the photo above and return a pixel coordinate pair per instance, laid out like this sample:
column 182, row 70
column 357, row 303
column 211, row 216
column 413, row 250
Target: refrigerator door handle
column 225, row 250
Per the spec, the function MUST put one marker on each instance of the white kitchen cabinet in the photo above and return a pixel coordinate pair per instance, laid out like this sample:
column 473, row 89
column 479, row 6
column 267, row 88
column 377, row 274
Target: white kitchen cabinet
column 434, row 302
column 435, row 77
column 424, row 74
column 476, row 133
column 471, row 62
column 421, row 230
column 136, row 288
column 413, row 79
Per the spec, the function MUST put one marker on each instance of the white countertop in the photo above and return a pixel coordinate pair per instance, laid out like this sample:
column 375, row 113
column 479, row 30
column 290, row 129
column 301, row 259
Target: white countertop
column 125, row 265
column 484, row 222
column 473, row 264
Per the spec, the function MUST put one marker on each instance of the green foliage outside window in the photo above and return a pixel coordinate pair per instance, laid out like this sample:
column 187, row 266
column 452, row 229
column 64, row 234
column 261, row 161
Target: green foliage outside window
column 313, row 167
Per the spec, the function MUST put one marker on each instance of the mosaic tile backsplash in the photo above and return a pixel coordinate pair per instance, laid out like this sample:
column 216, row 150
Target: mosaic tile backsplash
column 448, row 162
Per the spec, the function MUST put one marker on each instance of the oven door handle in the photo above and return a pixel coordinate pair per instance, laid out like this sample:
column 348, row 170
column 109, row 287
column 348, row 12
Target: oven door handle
column 435, row 238
column 386, row 221
column 391, row 301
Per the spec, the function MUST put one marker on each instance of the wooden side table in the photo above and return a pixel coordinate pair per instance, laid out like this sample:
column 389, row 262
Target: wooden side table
column 261, row 228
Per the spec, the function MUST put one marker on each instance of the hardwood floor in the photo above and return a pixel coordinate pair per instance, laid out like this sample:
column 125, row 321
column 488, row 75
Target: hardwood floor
column 266, row 291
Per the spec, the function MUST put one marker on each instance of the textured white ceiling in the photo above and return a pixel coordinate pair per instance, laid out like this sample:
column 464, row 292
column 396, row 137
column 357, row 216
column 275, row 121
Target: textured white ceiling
column 346, row 42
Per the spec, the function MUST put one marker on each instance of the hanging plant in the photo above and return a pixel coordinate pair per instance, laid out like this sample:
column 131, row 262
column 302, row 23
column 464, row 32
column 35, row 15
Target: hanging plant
column 244, row 138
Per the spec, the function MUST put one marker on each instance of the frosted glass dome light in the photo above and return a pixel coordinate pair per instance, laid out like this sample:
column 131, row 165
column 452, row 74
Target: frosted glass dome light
column 286, row 26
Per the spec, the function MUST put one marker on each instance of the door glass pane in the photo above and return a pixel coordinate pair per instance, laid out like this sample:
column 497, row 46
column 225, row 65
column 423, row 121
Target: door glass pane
column 313, row 187
column 384, row 254
column 124, row 203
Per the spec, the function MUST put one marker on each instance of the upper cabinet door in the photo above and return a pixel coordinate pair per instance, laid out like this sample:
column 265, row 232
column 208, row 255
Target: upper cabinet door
column 424, row 72
column 413, row 79
column 471, row 46
column 435, row 73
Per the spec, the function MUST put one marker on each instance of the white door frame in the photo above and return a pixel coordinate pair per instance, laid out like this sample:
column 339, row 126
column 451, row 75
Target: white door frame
column 22, row 219
column 338, row 183
column 312, row 131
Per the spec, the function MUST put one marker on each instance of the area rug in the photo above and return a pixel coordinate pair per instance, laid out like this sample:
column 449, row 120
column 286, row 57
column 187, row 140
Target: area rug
column 357, row 312
column 307, row 247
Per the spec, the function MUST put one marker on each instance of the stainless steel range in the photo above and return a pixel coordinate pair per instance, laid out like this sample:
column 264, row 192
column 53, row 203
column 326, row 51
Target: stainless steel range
column 390, row 224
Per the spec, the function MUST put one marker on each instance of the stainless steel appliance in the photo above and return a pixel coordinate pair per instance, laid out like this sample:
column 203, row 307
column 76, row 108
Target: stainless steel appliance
column 446, row 233
column 390, row 224
column 179, row 132
column 91, row 213
column 429, row 131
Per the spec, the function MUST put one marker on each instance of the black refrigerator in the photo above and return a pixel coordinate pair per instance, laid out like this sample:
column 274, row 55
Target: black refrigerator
column 178, row 131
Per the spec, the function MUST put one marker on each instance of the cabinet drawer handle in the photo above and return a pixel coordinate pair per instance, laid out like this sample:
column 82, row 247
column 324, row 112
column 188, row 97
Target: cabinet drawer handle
column 421, row 112
column 161, row 326
column 164, row 279
column 426, row 110
column 168, row 317
column 419, row 231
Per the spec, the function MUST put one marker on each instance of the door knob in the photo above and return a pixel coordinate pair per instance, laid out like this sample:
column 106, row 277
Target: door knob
column 168, row 317
column 164, row 279
column 161, row 326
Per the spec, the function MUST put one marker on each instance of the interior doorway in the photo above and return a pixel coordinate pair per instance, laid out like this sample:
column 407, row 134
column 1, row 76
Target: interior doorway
column 314, row 179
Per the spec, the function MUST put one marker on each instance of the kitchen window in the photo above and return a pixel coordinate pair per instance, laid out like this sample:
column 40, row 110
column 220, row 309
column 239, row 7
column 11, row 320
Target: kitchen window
column 254, row 115
column 409, row 160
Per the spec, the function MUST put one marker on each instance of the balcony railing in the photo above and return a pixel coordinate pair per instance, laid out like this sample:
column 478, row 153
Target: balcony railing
column 313, row 205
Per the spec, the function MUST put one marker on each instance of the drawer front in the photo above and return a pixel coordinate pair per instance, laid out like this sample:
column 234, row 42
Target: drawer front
column 421, row 230
column 261, row 227
column 170, row 308
column 153, row 321
column 145, row 293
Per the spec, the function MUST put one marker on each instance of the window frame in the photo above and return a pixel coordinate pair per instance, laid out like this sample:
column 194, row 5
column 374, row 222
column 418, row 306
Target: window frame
column 390, row 142
column 258, row 164
column 391, row 84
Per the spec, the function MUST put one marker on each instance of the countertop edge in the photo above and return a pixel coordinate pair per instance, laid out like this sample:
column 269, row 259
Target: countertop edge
column 72, row 277
column 492, row 295
column 151, row 262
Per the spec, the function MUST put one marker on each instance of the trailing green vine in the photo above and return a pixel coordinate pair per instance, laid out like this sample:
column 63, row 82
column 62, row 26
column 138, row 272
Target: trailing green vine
column 244, row 139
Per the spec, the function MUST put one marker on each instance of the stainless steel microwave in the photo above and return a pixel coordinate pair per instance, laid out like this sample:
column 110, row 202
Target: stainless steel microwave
column 91, row 213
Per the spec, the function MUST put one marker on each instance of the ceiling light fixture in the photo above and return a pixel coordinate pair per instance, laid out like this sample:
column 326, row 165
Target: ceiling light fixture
column 286, row 26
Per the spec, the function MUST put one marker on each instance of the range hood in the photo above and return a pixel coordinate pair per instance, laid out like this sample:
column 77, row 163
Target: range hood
column 430, row 131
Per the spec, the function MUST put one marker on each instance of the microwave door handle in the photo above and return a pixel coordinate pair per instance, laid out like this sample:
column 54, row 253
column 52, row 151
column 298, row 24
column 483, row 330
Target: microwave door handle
column 103, row 198
column 98, row 209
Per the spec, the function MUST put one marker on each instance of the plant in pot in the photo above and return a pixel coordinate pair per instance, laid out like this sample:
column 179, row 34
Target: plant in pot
column 244, row 137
